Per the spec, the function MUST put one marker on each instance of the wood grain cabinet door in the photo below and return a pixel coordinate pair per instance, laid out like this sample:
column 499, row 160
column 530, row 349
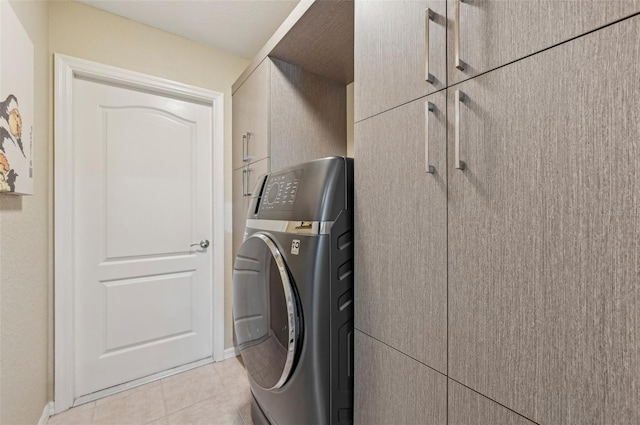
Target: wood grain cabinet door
column 400, row 229
column 308, row 116
column 543, row 231
column 467, row 407
column 486, row 34
column 244, row 182
column 391, row 388
column 390, row 47
column 250, row 128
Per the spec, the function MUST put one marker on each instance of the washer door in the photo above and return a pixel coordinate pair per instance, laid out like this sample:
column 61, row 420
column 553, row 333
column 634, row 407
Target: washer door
column 265, row 312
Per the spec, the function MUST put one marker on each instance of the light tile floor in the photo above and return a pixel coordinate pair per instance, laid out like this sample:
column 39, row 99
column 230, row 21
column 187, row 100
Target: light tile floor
column 215, row 394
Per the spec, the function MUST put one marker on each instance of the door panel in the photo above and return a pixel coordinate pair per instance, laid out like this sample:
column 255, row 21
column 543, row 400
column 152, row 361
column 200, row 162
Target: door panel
column 543, row 225
column 134, row 193
column 142, row 191
column 251, row 108
column 240, row 202
column 467, row 407
column 496, row 32
column 400, row 230
column 389, row 50
column 126, row 298
column 391, row 388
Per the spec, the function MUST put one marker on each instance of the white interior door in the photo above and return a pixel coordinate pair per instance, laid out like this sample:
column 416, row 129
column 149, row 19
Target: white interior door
column 141, row 197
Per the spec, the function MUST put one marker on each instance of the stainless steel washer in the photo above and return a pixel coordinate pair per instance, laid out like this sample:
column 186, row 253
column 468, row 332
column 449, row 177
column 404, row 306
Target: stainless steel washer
column 293, row 295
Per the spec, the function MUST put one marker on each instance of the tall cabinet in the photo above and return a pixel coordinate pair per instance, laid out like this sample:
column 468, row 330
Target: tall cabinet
column 497, row 216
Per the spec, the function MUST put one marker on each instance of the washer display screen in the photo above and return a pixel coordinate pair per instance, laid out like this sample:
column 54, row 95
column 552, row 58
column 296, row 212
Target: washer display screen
column 280, row 191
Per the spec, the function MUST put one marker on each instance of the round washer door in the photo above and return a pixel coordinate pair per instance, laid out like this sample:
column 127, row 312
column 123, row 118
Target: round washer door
column 265, row 313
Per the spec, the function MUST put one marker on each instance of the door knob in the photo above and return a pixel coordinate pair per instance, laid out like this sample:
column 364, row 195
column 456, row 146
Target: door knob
column 204, row 244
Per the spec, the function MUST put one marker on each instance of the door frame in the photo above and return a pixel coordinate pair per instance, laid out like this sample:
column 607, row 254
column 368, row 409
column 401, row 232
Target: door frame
column 66, row 69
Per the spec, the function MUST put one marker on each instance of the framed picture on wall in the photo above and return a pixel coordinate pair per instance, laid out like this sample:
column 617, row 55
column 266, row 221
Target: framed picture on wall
column 16, row 104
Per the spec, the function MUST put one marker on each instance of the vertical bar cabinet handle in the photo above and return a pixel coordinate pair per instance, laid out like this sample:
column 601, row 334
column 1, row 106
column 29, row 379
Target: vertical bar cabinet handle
column 244, row 148
column 428, row 108
column 456, row 37
column 460, row 97
column 428, row 15
column 247, row 158
column 245, row 181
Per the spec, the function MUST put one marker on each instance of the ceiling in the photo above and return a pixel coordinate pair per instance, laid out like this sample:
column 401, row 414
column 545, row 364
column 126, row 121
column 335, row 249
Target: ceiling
column 241, row 27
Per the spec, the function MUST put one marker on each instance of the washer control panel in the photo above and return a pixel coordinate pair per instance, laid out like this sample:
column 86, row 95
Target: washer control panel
column 280, row 191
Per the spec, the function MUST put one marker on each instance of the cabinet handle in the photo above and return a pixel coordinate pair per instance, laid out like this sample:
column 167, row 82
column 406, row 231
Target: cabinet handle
column 244, row 148
column 428, row 107
column 456, row 37
column 246, row 138
column 247, row 158
column 460, row 97
column 428, row 16
column 245, row 182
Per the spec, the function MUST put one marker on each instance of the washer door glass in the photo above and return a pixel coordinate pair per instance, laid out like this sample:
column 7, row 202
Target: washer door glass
column 264, row 312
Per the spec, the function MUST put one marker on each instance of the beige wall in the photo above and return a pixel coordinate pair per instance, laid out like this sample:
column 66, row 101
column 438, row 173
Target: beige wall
column 88, row 33
column 25, row 257
column 26, row 229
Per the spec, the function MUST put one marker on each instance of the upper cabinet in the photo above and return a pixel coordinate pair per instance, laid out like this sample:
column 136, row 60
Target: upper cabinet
column 308, row 116
column 251, row 118
column 484, row 35
column 407, row 49
column 400, row 53
column 289, row 115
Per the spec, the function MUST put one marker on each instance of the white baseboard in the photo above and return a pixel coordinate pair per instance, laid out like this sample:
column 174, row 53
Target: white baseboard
column 231, row 352
column 46, row 413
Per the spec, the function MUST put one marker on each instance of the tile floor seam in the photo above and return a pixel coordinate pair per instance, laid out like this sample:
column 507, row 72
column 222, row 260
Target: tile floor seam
column 228, row 391
column 164, row 401
column 93, row 411
column 240, row 416
column 191, row 405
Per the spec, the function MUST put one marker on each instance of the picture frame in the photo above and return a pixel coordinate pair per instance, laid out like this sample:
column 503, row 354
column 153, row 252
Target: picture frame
column 16, row 104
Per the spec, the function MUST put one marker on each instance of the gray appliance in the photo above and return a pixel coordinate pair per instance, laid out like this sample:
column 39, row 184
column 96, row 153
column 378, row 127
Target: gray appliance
column 293, row 295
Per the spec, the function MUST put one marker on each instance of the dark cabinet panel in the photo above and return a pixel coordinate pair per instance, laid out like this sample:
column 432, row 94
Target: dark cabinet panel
column 391, row 388
column 493, row 33
column 400, row 228
column 543, row 225
column 390, row 49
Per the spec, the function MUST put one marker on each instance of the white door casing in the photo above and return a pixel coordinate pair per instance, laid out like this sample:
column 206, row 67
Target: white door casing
column 134, row 189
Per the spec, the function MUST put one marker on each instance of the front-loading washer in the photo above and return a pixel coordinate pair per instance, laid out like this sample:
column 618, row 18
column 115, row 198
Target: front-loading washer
column 293, row 295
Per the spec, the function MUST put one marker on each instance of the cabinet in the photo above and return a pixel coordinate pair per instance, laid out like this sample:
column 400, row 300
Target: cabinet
column 402, row 390
column 282, row 116
column 467, row 407
column 543, row 232
column 400, row 229
column 487, row 34
column 532, row 314
column 244, row 182
column 250, row 122
column 396, row 44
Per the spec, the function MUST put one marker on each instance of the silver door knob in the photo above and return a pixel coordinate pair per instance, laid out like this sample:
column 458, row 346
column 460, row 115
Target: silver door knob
column 204, row 244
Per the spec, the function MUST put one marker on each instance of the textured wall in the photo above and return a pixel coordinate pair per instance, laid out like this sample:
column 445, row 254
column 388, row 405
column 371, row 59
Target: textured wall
column 25, row 257
column 88, row 33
